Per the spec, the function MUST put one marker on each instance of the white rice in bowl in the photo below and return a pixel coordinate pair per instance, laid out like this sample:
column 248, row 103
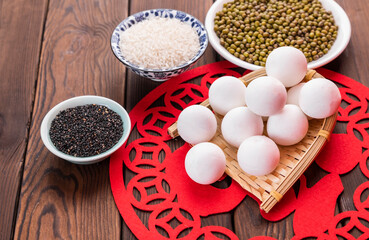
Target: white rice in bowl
column 159, row 43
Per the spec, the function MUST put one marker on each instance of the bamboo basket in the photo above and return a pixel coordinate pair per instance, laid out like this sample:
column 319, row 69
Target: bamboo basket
column 295, row 159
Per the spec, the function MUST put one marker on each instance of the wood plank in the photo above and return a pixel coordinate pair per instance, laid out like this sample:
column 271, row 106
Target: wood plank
column 59, row 199
column 353, row 62
column 21, row 26
column 138, row 87
column 249, row 223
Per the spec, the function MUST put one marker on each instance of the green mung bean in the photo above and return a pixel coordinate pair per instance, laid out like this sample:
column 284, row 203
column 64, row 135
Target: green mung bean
column 246, row 25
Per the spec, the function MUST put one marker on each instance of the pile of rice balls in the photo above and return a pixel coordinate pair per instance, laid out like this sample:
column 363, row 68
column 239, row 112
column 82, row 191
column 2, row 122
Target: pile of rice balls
column 265, row 100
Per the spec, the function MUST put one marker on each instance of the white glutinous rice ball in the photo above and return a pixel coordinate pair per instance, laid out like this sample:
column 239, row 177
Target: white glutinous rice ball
column 258, row 155
column 205, row 163
column 239, row 124
column 226, row 93
column 319, row 98
column 265, row 96
column 289, row 126
column 196, row 124
column 293, row 94
column 287, row 64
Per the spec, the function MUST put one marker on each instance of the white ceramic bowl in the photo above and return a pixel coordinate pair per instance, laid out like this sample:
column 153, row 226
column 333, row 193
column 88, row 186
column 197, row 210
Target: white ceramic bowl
column 78, row 101
column 340, row 17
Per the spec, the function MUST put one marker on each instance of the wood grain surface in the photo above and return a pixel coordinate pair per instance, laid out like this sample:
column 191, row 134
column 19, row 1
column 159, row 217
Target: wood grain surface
column 21, row 26
column 58, row 199
column 353, row 62
column 52, row 50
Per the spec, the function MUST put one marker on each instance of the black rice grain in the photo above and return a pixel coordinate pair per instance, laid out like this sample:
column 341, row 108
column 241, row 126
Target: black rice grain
column 86, row 130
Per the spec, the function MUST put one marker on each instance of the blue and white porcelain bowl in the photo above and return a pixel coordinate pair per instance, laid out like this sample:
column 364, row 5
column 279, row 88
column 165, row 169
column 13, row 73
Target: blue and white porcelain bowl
column 159, row 74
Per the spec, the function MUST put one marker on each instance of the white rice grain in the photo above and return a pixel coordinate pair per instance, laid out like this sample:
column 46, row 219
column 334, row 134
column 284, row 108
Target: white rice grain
column 159, row 43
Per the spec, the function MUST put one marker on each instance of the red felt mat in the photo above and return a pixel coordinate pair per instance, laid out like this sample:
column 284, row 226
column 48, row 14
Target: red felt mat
column 165, row 193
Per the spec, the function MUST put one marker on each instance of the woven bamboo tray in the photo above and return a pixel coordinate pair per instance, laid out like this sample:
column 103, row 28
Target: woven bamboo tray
column 295, row 159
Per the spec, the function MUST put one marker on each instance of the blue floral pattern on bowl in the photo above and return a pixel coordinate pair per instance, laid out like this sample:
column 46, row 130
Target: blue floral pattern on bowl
column 159, row 74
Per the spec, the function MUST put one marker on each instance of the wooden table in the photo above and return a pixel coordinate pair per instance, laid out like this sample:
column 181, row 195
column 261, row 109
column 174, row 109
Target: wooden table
column 52, row 50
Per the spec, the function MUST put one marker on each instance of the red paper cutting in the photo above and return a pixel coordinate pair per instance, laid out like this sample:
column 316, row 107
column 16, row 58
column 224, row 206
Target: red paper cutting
column 165, row 192
column 341, row 145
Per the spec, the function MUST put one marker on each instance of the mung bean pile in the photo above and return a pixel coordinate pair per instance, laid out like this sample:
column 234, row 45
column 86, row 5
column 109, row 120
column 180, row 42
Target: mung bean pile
column 251, row 29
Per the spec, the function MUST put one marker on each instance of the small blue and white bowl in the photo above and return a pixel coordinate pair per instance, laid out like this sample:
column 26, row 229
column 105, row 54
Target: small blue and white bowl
column 159, row 74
